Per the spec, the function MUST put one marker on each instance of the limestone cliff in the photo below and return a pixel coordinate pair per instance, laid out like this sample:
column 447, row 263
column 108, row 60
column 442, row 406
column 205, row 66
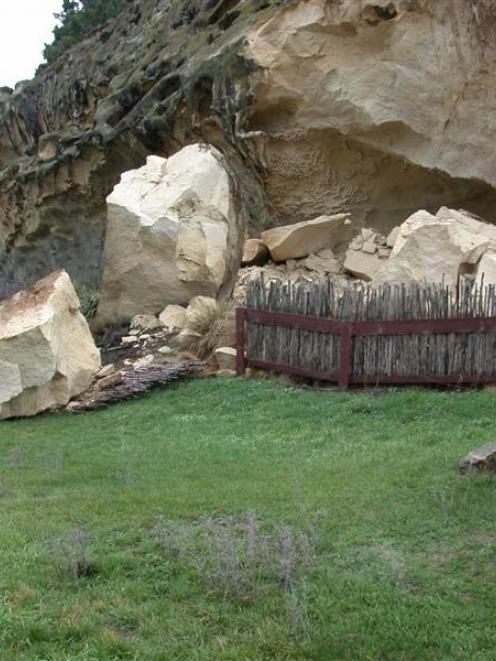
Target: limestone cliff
column 320, row 106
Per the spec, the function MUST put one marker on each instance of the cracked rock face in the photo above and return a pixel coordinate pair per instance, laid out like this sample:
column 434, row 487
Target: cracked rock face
column 376, row 109
column 175, row 231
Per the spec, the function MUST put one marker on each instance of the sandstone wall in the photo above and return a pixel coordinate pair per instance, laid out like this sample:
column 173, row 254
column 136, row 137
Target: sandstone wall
column 380, row 108
column 320, row 106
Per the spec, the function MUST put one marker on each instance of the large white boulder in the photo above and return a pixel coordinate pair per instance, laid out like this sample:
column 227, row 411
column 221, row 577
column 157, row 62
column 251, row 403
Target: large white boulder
column 174, row 231
column 438, row 248
column 303, row 239
column 47, row 353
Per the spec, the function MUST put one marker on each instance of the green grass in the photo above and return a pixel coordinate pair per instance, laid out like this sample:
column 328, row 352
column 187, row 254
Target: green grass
column 406, row 560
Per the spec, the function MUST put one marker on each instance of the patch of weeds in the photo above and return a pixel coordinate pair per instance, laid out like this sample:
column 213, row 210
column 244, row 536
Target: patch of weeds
column 450, row 501
column 88, row 298
column 16, row 458
column 245, row 558
column 4, row 491
column 50, row 460
column 69, row 554
column 124, row 471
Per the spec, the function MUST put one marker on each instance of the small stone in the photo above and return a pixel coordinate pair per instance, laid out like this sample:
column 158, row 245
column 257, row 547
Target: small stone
column 255, row 253
column 291, row 265
column 361, row 264
column 383, row 253
column 128, row 339
column 226, row 358
column 146, row 336
column 482, row 460
column 144, row 322
column 144, row 362
column 166, row 351
column 370, row 247
column 327, row 254
column 320, row 265
column 226, row 374
column 173, row 318
column 109, row 381
column 106, row 371
column 368, row 234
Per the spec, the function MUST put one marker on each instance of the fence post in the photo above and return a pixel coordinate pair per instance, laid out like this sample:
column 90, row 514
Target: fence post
column 240, row 341
column 345, row 358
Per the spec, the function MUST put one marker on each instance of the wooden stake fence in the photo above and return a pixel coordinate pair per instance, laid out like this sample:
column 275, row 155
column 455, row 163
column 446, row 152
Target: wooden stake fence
column 444, row 337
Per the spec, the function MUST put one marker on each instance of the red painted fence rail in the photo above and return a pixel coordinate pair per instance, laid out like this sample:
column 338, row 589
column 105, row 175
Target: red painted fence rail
column 347, row 330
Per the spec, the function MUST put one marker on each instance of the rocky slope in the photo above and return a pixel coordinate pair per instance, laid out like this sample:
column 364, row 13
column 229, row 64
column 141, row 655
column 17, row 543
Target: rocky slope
column 320, row 106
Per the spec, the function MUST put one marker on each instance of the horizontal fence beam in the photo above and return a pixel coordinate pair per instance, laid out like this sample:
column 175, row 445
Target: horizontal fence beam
column 299, row 321
column 415, row 327
column 407, row 327
column 423, row 379
column 289, row 369
column 371, row 380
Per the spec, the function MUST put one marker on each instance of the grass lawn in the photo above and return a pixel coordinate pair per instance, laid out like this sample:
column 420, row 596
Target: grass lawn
column 366, row 543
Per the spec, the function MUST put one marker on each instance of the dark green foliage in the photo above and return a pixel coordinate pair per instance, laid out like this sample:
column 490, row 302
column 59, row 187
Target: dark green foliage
column 78, row 18
column 89, row 298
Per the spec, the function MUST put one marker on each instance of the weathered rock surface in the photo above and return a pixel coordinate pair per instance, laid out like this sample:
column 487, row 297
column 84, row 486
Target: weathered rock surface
column 144, row 322
column 362, row 265
column 392, row 237
column 486, row 269
column 346, row 118
column 47, row 353
column 173, row 318
column 323, row 262
column 319, row 107
column 302, row 239
column 255, row 253
column 482, row 460
column 174, row 232
column 438, row 248
column 200, row 314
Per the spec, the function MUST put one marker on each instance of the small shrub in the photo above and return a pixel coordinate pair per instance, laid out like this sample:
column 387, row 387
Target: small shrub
column 207, row 327
column 16, row 458
column 69, row 554
column 244, row 558
column 51, row 460
column 88, row 298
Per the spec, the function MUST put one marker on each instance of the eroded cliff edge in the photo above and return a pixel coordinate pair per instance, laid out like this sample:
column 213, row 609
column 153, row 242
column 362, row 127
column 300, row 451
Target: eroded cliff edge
column 377, row 108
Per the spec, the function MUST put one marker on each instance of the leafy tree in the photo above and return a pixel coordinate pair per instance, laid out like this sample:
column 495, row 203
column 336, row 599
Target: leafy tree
column 77, row 18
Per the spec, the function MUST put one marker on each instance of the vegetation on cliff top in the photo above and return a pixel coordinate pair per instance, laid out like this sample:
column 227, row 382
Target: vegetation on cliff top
column 78, row 18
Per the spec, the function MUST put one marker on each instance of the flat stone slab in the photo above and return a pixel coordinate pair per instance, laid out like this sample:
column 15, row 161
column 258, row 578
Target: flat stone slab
column 482, row 460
